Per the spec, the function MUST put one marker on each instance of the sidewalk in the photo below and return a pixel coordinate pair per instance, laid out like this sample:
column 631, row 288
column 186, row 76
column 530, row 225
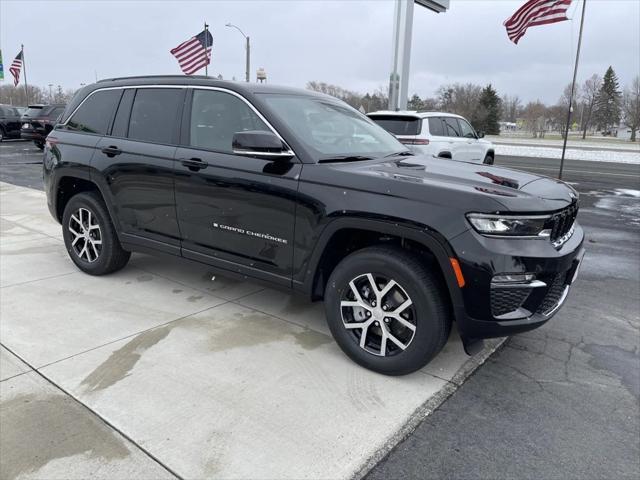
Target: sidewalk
column 157, row 369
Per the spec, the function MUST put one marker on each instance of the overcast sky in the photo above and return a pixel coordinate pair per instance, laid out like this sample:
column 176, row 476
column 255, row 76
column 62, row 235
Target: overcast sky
column 344, row 42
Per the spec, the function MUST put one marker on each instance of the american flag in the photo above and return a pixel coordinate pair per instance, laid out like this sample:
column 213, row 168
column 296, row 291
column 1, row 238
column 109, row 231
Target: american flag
column 195, row 53
column 533, row 13
column 15, row 68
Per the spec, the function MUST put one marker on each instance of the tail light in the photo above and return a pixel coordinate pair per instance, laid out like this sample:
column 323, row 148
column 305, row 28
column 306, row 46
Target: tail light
column 51, row 141
column 414, row 141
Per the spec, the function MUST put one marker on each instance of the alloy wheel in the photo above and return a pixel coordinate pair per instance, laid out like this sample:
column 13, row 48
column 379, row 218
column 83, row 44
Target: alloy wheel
column 87, row 236
column 379, row 314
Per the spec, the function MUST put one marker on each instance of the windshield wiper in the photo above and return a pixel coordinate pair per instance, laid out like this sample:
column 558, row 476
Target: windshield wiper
column 404, row 153
column 345, row 158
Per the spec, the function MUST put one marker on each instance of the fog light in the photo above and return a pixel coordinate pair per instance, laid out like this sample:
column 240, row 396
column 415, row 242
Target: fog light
column 513, row 278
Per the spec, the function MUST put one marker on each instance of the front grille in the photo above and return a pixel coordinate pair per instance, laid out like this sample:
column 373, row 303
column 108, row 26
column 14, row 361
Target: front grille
column 562, row 224
column 507, row 300
column 554, row 294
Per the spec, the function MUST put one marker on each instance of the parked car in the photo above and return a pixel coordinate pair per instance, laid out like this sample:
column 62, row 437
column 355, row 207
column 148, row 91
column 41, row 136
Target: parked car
column 444, row 135
column 38, row 121
column 301, row 191
column 9, row 122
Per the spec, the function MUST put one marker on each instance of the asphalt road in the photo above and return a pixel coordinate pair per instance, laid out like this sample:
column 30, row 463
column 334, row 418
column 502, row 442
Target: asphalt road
column 560, row 402
column 563, row 401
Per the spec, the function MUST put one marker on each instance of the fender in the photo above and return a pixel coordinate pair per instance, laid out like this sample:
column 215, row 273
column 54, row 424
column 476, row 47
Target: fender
column 427, row 237
column 85, row 172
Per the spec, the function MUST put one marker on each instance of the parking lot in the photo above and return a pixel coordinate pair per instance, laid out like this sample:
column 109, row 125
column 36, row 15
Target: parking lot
column 167, row 370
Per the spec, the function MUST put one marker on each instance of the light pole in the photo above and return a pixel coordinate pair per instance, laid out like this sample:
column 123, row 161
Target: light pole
column 50, row 94
column 248, row 49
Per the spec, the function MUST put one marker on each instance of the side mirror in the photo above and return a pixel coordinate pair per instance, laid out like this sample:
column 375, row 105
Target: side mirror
column 480, row 134
column 260, row 144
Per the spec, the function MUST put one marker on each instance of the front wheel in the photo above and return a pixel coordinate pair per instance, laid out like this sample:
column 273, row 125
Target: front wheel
column 488, row 160
column 90, row 236
column 386, row 310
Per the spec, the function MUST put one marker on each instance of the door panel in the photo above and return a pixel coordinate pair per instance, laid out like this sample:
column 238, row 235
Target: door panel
column 472, row 147
column 234, row 211
column 140, row 181
column 237, row 209
column 454, row 138
column 137, row 164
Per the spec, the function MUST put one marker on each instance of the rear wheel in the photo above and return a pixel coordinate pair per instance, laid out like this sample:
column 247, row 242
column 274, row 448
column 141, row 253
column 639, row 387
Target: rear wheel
column 90, row 237
column 488, row 160
column 386, row 310
column 1, row 134
column 39, row 144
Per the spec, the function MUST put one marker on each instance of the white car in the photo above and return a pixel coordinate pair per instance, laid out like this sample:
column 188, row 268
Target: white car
column 441, row 134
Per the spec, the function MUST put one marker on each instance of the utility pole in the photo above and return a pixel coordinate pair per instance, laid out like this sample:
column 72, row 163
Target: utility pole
column 248, row 48
column 206, row 48
column 573, row 88
column 24, row 69
column 50, row 94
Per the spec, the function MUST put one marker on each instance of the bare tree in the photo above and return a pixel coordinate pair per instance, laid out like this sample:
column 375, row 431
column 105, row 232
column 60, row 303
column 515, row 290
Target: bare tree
column 511, row 108
column 631, row 107
column 535, row 118
column 17, row 96
column 589, row 97
column 460, row 99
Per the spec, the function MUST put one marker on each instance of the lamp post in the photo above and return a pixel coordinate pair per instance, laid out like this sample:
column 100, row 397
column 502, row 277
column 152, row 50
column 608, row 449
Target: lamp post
column 248, row 47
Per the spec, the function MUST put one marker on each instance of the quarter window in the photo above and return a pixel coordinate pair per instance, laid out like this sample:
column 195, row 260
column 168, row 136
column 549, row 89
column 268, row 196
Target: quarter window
column 94, row 114
column 154, row 115
column 452, row 127
column 216, row 116
column 435, row 127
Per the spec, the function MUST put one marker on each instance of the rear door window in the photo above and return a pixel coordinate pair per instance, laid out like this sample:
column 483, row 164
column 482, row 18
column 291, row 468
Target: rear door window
column 399, row 125
column 95, row 113
column 154, row 115
column 452, row 127
column 436, row 127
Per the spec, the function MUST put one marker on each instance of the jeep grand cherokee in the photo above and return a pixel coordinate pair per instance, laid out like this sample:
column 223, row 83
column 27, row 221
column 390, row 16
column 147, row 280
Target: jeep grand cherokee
column 299, row 190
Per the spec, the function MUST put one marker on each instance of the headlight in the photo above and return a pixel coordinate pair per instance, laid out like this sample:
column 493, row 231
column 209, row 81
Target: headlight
column 512, row 226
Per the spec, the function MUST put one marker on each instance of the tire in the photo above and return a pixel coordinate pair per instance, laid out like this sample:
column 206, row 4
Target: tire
column 1, row 135
column 488, row 160
column 428, row 312
column 103, row 254
column 38, row 144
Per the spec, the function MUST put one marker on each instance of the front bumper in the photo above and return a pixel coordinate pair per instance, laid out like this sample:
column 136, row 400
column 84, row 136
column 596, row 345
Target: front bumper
column 492, row 310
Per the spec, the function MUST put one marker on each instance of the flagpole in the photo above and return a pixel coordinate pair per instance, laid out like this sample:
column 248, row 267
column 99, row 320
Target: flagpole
column 24, row 70
column 206, row 46
column 573, row 88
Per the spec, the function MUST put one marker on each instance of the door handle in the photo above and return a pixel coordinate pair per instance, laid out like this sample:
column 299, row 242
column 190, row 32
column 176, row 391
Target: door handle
column 111, row 151
column 194, row 164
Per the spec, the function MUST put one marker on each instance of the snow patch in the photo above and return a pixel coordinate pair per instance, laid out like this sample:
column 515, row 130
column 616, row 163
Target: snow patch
column 609, row 156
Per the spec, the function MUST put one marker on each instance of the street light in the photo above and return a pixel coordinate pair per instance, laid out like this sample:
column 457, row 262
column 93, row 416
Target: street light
column 248, row 49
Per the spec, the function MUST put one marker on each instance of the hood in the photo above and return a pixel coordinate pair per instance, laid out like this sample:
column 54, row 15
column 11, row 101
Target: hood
column 510, row 190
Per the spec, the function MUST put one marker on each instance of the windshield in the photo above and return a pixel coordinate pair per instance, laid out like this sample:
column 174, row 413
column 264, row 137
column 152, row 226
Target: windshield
column 331, row 129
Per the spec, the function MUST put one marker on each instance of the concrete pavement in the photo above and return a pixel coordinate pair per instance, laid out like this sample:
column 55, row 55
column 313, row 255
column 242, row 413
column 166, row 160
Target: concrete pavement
column 159, row 370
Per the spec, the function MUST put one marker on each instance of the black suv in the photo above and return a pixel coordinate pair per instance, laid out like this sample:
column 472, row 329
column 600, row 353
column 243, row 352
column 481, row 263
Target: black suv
column 9, row 122
column 299, row 190
column 38, row 121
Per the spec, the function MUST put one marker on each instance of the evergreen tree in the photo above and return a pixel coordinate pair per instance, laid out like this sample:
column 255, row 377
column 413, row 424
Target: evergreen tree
column 487, row 114
column 415, row 103
column 608, row 103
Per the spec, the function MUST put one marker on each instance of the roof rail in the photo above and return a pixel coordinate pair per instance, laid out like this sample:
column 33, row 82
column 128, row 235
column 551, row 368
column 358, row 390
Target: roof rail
column 203, row 77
